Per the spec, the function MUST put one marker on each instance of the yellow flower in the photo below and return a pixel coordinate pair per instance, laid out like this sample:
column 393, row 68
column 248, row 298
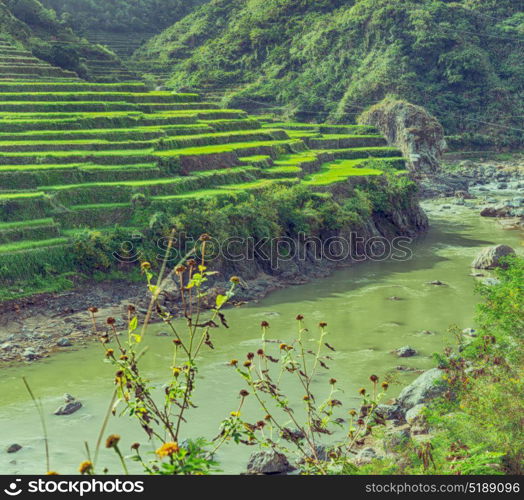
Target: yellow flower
column 86, row 467
column 167, row 449
column 235, row 414
column 52, row 473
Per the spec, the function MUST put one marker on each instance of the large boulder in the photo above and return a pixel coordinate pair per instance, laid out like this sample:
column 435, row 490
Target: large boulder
column 491, row 257
column 268, row 462
column 423, row 389
column 411, row 128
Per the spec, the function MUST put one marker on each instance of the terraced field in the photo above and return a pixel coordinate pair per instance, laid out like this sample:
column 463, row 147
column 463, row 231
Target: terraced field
column 18, row 64
column 75, row 154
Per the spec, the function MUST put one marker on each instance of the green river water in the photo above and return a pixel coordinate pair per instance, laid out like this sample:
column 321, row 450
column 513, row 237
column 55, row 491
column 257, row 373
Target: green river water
column 362, row 324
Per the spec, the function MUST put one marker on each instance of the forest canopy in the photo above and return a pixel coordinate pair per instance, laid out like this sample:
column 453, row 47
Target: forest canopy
column 122, row 15
column 318, row 59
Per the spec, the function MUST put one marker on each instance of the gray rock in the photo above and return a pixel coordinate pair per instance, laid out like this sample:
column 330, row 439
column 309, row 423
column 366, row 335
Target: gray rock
column 30, row 354
column 470, row 332
column 268, row 462
column 64, row 342
column 396, row 437
column 405, row 352
column 14, row 448
column 366, row 456
column 436, row 283
column 490, row 257
column 414, row 414
column 69, row 408
column 72, row 405
column 388, row 412
column 68, row 398
column 424, row 388
column 491, row 281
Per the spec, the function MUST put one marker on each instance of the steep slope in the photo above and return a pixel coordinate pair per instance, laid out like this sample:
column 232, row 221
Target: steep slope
column 122, row 16
column 27, row 25
column 333, row 58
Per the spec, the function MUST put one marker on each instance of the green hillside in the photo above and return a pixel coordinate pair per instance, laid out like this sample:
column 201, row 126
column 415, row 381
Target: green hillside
column 77, row 155
column 331, row 59
column 122, row 16
column 36, row 32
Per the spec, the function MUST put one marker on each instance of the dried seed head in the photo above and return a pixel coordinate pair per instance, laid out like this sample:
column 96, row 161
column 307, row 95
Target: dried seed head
column 373, row 378
column 233, row 362
column 332, row 381
column 267, row 417
column 110, row 321
column 360, row 421
column 135, row 446
column 86, row 467
column 385, row 386
column 235, row 280
column 112, row 441
column 300, row 317
column 260, row 352
column 362, row 391
column 264, row 324
column 244, row 393
column 93, row 310
column 131, row 309
column 191, row 263
column 205, row 237
column 180, row 269
column 352, row 412
column 177, row 342
column 250, row 355
column 306, row 398
column 283, row 347
column 322, row 324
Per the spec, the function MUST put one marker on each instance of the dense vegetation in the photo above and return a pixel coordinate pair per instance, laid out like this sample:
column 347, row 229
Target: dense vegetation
column 122, row 15
column 29, row 25
column 333, row 58
column 478, row 426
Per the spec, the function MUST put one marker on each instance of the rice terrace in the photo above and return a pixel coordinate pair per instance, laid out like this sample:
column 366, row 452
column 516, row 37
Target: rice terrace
column 357, row 164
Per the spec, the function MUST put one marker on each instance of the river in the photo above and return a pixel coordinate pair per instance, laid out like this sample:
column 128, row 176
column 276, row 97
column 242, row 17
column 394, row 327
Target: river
column 363, row 325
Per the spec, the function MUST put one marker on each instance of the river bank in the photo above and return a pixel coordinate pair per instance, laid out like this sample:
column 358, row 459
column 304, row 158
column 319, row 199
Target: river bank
column 37, row 327
column 34, row 328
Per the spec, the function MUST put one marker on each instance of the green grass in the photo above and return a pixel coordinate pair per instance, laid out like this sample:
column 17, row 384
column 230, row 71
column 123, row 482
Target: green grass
column 223, row 148
column 29, row 245
column 339, row 171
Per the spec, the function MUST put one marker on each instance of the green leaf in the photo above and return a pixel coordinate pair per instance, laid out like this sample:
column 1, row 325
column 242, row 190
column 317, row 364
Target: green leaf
column 220, row 301
column 133, row 324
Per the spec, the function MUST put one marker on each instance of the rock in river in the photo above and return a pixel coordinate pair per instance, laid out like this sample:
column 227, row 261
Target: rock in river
column 268, row 462
column 490, row 257
column 405, row 352
column 14, row 448
column 71, row 406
